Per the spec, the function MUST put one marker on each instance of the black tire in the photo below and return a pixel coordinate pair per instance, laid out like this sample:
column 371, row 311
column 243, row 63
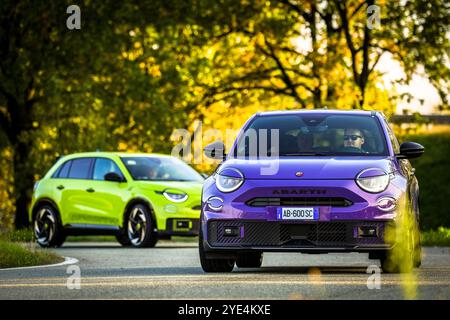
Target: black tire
column 216, row 264
column 388, row 264
column 418, row 248
column 249, row 260
column 122, row 238
column 47, row 227
column 140, row 227
column 405, row 256
column 418, row 257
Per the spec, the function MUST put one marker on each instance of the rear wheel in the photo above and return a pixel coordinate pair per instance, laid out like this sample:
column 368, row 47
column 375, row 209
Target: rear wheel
column 140, row 228
column 215, row 264
column 249, row 260
column 48, row 230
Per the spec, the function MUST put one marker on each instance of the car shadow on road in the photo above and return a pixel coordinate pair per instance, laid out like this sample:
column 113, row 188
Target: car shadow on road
column 114, row 246
column 311, row 270
column 197, row 271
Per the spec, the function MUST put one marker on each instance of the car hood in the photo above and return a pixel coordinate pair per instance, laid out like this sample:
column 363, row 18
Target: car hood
column 190, row 187
column 307, row 167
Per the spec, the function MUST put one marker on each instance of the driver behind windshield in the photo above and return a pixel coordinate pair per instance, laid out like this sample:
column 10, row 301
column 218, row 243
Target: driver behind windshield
column 353, row 138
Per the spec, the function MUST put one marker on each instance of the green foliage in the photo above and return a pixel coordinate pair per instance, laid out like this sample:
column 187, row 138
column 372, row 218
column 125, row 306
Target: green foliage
column 22, row 235
column 433, row 175
column 16, row 255
column 420, row 29
column 438, row 237
column 6, row 191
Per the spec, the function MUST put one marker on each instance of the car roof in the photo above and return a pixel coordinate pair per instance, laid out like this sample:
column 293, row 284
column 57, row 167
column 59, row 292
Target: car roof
column 317, row 111
column 109, row 154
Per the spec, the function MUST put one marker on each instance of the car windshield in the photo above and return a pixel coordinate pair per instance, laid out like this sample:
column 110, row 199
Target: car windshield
column 160, row 169
column 312, row 135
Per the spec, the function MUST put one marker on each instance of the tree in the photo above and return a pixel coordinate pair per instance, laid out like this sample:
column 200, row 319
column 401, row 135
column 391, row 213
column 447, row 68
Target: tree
column 55, row 80
column 337, row 36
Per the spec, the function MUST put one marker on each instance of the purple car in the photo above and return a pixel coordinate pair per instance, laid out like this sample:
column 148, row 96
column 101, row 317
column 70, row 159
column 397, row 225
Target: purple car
column 311, row 182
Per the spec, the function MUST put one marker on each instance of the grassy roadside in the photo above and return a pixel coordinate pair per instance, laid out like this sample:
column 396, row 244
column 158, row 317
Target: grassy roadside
column 19, row 255
column 439, row 237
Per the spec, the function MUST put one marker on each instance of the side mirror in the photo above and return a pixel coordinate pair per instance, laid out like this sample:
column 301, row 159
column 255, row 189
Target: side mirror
column 410, row 150
column 114, row 177
column 215, row 150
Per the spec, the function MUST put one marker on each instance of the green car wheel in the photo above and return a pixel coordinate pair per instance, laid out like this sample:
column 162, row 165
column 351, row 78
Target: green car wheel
column 140, row 227
column 47, row 227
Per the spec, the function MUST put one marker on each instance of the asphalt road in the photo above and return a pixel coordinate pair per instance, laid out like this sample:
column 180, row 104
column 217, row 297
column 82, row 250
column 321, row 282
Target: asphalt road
column 172, row 271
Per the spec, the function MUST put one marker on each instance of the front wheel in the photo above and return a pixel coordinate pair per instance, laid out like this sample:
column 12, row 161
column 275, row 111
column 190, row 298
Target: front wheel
column 48, row 230
column 140, row 228
column 215, row 264
column 406, row 255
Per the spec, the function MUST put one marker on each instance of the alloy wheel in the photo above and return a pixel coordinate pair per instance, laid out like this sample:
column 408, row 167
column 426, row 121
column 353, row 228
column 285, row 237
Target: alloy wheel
column 137, row 226
column 44, row 226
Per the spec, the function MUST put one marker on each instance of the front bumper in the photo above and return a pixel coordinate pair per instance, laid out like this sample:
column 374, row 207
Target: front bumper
column 181, row 227
column 338, row 236
column 342, row 208
column 178, row 219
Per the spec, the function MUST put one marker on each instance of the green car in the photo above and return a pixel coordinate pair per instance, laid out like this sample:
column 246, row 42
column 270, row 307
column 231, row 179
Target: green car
column 139, row 198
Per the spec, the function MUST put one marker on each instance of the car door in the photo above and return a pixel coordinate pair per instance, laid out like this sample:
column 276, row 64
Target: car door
column 60, row 186
column 108, row 198
column 76, row 194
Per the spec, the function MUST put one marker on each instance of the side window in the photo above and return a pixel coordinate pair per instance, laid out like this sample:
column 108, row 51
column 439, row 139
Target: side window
column 394, row 141
column 80, row 168
column 64, row 171
column 104, row 166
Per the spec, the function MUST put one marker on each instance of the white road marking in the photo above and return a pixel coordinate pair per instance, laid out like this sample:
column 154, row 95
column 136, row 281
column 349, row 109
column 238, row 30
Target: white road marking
column 67, row 261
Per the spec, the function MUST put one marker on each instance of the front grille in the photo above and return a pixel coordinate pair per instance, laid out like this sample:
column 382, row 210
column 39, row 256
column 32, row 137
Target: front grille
column 328, row 232
column 276, row 234
column 299, row 201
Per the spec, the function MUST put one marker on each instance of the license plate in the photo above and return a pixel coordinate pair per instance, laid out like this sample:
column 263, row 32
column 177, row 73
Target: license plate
column 297, row 213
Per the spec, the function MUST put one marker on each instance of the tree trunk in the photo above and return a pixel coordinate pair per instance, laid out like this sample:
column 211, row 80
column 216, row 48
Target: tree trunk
column 317, row 94
column 19, row 135
column 23, row 183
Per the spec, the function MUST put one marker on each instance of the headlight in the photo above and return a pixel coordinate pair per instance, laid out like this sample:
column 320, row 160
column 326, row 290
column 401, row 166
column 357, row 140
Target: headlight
column 229, row 180
column 373, row 184
column 175, row 196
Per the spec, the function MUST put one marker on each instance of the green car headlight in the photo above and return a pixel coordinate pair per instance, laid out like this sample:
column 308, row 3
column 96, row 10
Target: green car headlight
column 175, row 196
